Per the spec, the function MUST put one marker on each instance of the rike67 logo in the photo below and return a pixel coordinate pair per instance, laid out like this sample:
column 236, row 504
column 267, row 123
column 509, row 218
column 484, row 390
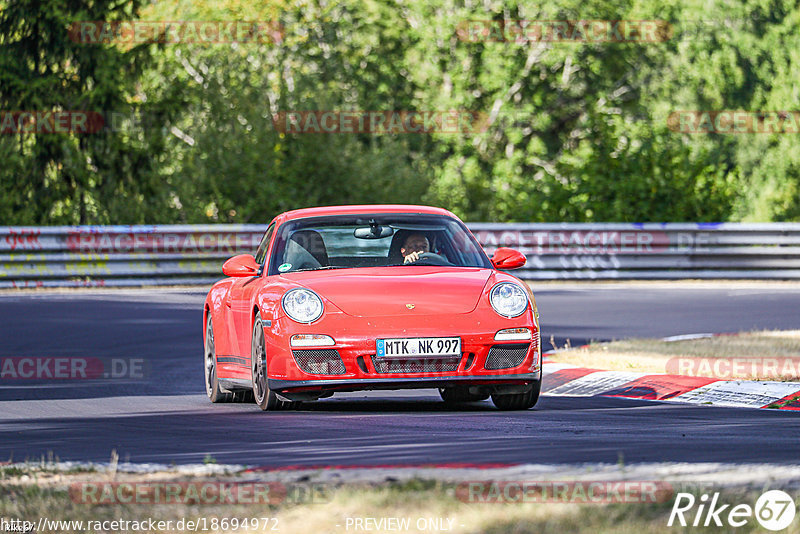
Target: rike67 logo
column 774, row 510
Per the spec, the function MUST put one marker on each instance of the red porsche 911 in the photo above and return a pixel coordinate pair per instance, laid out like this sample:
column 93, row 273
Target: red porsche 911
column 353, row 298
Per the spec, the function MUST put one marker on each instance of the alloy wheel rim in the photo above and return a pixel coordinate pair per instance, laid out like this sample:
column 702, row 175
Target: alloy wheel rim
column 209, row 358
column 259, row 363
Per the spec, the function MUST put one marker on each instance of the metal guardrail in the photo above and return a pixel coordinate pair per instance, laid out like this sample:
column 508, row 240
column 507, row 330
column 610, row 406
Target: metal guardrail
column 77, row 256
column 650, row 251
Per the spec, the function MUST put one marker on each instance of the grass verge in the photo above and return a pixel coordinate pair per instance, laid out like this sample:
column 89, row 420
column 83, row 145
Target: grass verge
column 415, row 505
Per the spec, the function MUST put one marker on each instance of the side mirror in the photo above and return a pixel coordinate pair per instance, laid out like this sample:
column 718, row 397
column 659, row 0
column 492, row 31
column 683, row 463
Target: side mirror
column 508, row 258
column 241, row 265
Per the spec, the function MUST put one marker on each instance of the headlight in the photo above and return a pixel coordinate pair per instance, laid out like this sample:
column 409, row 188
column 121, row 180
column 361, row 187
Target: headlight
column 302, row 305
column 509, row 300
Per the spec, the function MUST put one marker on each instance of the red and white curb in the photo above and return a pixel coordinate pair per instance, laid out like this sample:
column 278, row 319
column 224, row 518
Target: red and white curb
column 567, row 380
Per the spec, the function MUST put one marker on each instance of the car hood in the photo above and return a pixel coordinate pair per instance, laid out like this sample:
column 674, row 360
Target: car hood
column 393, row 290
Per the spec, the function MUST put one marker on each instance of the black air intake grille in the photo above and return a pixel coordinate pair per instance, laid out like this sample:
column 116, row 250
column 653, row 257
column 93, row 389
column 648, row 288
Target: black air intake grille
column 319, row 362
column 506, row 356
column 426, row 365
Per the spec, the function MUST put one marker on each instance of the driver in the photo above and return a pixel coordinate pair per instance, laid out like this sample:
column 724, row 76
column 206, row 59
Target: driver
column 414, row 246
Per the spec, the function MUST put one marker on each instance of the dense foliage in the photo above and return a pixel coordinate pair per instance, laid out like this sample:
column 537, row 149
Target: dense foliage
column 573, row 131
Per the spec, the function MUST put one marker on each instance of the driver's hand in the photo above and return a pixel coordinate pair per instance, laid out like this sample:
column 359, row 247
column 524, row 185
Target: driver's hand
column 411, row 258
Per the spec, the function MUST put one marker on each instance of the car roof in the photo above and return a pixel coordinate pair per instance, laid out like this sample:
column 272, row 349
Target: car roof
column 363, row 208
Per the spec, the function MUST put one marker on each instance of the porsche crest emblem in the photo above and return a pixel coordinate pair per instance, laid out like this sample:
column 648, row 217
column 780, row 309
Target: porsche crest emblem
column 410, row 306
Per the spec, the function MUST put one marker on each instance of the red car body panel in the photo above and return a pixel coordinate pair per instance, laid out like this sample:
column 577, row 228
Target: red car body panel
column 386, row 290
column 361, row 305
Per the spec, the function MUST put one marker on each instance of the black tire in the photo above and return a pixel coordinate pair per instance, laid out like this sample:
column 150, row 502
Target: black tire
column 265, row 398
column 215, row 394
column 518, row 401
column 459, row 395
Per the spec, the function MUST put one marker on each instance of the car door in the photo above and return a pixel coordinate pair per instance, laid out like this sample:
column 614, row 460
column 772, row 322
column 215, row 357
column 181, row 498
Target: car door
column 242, row 294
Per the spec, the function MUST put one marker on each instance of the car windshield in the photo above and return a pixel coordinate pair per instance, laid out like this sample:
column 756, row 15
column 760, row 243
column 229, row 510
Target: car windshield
column 340, row 242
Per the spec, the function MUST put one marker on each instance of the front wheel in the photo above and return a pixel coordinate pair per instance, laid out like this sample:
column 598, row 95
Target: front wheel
column 265, row 398
column 518, row 401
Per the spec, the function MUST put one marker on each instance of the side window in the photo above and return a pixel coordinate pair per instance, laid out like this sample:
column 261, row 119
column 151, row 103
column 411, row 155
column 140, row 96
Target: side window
column 261, row 253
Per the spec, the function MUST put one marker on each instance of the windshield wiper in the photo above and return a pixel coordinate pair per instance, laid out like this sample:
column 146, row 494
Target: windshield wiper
column 325, row 268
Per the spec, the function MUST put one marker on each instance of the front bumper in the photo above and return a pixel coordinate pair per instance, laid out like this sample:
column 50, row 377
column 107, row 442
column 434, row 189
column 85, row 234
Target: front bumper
column 283, row 386
column 312, row 389
column 362, row 370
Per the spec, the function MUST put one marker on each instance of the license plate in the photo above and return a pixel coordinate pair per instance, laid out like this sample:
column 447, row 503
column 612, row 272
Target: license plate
column 415, row 347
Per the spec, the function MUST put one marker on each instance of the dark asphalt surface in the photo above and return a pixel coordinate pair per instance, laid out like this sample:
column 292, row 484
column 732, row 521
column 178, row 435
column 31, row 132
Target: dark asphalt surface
column 166, row 417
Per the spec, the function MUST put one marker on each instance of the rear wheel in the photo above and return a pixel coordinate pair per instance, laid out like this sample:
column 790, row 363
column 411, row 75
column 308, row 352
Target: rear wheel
column 458, row 395
column 265, row 398
column 210, row 359
column 518, row 401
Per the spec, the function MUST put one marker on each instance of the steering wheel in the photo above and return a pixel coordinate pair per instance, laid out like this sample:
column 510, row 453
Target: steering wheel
column 429, row 258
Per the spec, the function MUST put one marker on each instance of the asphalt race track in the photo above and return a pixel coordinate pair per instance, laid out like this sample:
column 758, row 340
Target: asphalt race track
column 166, row 417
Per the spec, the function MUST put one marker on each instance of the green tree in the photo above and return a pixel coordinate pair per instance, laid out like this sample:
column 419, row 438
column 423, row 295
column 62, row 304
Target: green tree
column 76, row 178
column 574, row 131
column 230, row 163
column 573, row 136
